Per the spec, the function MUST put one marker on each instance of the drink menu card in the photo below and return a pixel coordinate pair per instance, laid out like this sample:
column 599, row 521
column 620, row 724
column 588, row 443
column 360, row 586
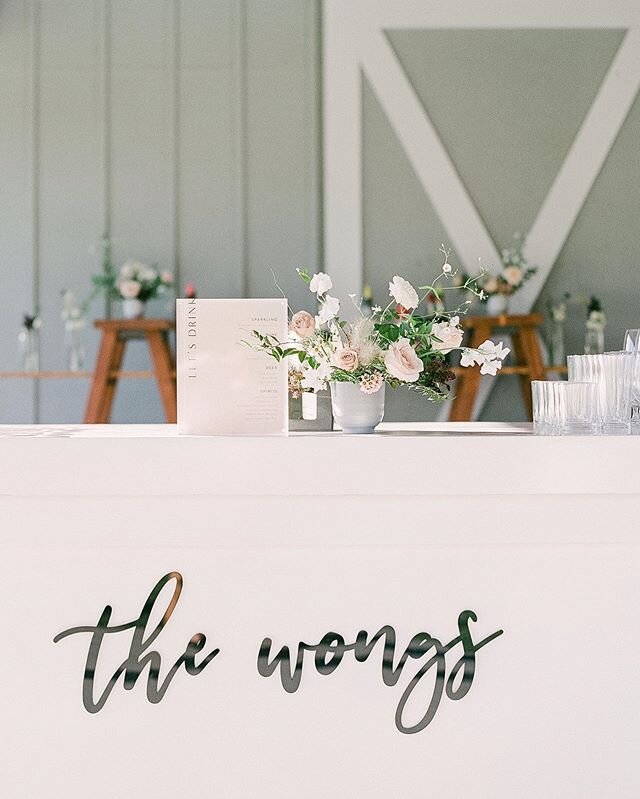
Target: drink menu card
column 225, row 387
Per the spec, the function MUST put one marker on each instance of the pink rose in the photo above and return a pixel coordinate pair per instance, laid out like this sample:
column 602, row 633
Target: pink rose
column 402, row 362
column 303, row 324
column 346, row 360
column 490, row 284
column 512, row 275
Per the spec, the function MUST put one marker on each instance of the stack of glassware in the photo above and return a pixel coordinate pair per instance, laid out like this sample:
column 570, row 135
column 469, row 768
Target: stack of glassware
column 601, row 395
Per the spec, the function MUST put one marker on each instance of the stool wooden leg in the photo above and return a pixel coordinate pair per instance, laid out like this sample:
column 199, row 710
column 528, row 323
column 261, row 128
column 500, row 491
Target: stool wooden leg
column 467, row 387
column 528, row 353
column 163, row 367
column 103, row 385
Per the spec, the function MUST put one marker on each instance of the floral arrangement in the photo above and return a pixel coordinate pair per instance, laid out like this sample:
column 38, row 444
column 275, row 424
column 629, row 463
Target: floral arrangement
column 137, row 281
column 515, row 272
column 73, row 314
column 397, row 345
column 31, row 322
column 596, row 319
column 558, row 308
column 595, row 325
column 133, row 281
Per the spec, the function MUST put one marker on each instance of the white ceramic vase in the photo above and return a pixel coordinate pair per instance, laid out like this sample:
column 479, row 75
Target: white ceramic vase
column 497, row 304
column 132, row 309
column 356, row 412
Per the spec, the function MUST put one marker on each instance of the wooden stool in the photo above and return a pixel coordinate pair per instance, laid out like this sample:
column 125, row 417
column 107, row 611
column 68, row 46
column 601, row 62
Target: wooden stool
column 526, row 348
column 115, row 334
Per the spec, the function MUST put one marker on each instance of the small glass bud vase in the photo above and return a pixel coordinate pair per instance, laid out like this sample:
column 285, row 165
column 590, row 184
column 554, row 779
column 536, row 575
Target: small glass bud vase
column 310, row 411
column 309, row 406
column 558, row 352
column 594, row 341
column 29, row 345
column 74, row 340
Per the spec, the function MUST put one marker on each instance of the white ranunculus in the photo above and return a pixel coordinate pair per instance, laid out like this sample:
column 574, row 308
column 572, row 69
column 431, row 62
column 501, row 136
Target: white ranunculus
column 320, row 283
column 128, row 270
column 403, row 293
column 402, row 362
column 446, row 336
column 147, row 274
column 328, row 309
column 129, row 289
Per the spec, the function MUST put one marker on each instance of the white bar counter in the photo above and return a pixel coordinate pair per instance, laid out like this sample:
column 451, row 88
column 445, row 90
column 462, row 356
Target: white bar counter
column 466, row 597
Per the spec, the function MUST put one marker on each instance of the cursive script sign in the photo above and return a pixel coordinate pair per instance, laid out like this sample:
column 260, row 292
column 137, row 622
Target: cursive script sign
column 329, row 652
column 327, row 655
column 136, row 661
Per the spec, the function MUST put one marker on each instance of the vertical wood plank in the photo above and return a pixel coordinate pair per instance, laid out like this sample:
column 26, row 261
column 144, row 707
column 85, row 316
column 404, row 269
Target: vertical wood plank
column 69, row 184
column 210, row 198
column 282, row 144
column 142, row 170
column 16, row 210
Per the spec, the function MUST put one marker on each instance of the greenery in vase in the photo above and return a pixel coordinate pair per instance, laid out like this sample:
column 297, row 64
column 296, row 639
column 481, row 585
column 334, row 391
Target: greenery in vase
column 137, row 281
column 596, row 319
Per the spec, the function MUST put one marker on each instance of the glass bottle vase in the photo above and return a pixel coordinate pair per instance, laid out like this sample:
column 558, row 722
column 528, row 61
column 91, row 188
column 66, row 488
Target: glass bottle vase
column 29, row 345
column 557, row 349
column 594, row 341
column 75, row 347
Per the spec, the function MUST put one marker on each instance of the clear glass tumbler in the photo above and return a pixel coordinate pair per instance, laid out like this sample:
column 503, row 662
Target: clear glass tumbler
column 613, row 372
column 561, row 408
column 617, row 373
column 632, row 340
column 632, row 344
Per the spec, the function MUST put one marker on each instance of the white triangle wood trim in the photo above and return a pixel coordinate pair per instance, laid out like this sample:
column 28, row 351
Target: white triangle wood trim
column 354, row 40
column 426, row 152
column 581, row 167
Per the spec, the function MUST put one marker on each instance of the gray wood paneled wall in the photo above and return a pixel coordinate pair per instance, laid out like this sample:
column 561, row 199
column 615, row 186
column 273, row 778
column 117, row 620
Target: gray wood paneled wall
column 187, row 128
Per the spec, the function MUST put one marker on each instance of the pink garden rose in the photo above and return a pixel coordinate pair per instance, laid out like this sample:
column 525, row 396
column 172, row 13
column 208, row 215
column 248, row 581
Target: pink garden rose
column 303, row 324
column 345, row 359
column 512, row 275
column 402, row 362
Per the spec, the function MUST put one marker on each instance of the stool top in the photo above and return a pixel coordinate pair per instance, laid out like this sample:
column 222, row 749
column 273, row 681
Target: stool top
column 135, row 325
column 503, row 320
